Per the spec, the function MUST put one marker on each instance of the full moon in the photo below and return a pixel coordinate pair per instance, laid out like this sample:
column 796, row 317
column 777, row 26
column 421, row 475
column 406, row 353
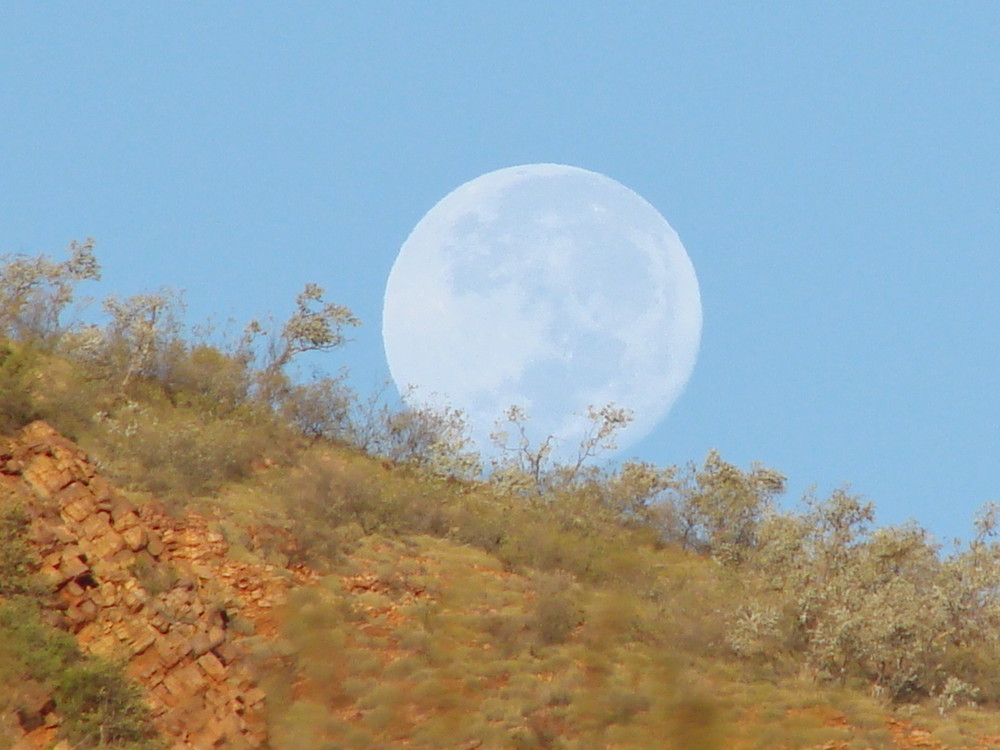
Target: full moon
column 548, row 287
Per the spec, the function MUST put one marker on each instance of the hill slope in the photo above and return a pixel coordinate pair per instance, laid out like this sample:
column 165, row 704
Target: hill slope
column 412, row 641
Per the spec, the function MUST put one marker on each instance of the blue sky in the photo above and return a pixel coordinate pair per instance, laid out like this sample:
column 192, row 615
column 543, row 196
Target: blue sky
column 832, row 168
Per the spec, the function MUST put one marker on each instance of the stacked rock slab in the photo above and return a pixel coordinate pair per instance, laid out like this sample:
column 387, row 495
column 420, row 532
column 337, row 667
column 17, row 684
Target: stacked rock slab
column 137, row 585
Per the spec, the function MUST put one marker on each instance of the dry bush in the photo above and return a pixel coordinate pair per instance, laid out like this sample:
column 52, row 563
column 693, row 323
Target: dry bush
column 205, row 378
column 556, row 610
column 326, row 493
column 173, row 452
column 70, row 398
column 17, row 386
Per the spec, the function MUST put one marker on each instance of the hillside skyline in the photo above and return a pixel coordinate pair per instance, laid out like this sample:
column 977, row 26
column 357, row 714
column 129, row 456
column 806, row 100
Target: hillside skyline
column 831, row 172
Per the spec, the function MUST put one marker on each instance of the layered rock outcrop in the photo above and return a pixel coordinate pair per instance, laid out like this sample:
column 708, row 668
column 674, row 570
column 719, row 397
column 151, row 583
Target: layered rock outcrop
column 159, row 593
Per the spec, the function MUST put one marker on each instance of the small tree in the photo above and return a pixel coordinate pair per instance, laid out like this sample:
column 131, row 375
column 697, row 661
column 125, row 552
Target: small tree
column 521, row 464
column 524, row 465
column 142, row 327
column 315, row 326
column 877, row 604
column 721, row 507
column 636, row 493
column 321, row 408
column 35, row 291
column 434, row 439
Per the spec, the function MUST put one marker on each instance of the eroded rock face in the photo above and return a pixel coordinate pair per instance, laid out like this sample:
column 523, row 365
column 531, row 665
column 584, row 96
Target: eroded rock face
column 138, row 585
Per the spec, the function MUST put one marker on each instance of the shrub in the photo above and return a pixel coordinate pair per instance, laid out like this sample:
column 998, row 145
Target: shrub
column 71, row 397
column 17, row 558
column 321, row 408
column 556, row 612
column 329, row 492
column 100, row 707
column 17, row 404
column 206, row 378
column 181, row 452
column 27, row 647
column 721, row 507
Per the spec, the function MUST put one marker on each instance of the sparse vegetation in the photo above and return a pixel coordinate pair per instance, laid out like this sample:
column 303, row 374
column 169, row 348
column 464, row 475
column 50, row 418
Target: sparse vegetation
column 17, row 559
column 527, row 604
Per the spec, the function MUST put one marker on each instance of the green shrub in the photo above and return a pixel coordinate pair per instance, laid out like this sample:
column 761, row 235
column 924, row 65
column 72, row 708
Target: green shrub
column 28, row 647
column 556, row 612
column 18, row 560
column 72, row 400
column 300, row 726
column 326, row 494
column 322, row 408
column 17, row 403
column 174, row 452
column 209, row 380
column 100, row 707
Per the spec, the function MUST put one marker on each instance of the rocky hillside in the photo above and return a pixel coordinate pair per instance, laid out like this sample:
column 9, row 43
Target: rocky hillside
column 413, row 642
column 134, row 584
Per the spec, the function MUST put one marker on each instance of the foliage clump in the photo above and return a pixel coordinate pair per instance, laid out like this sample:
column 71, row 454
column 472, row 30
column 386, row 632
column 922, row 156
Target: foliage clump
column 35, row 291
column 18, row 560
